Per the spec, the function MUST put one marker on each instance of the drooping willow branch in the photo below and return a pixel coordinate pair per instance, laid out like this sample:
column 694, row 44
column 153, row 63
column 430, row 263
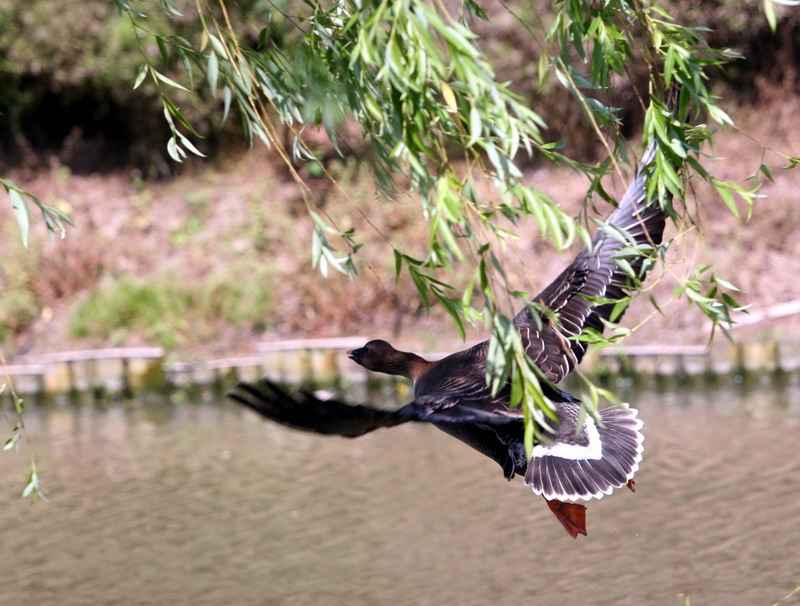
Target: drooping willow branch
column 437, row 120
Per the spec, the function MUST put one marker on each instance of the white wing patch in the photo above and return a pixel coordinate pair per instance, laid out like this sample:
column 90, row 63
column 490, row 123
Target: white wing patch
column 570, row 472
column 574, row 452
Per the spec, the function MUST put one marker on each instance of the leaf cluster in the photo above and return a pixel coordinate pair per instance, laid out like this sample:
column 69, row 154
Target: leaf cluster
column 438, row 122
column 55, row 220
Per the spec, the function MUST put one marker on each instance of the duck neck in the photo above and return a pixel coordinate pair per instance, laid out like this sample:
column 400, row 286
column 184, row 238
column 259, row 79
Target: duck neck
column 405, row 364
column 416, row 367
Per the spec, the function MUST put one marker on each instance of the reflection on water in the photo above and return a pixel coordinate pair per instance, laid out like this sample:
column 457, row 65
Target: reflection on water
column 204, row 503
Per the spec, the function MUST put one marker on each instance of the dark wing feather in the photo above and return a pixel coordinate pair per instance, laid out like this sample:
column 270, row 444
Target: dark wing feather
column 303, row 410
column 485, row 424
column 594, row 273
column 458, row 408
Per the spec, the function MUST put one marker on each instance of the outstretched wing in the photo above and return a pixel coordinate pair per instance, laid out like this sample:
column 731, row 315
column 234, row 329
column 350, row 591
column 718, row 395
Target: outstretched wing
column 304, row 410
column 459, row 408
column 486, row 425
column 634, row 225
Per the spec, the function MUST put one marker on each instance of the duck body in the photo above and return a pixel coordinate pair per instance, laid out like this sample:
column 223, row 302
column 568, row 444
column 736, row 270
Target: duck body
column 576, row 457
column 453, row 395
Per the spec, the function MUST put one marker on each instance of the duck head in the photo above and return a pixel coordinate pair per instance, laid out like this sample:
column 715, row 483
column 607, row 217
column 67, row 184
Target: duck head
column 380, row 356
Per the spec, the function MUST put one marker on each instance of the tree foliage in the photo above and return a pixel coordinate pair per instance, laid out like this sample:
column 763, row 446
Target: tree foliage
column 411, row 74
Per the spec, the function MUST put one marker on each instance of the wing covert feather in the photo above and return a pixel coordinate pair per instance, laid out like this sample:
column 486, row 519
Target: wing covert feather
column 549, row 340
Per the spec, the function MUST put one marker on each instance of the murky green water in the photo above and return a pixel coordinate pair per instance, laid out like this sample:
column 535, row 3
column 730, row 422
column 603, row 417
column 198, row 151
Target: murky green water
column 206, row 504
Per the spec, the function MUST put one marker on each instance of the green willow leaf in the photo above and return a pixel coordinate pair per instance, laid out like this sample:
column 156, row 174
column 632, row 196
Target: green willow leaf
column 140, row 76
column 21, row 213
column 213, row 72
column 169, row 81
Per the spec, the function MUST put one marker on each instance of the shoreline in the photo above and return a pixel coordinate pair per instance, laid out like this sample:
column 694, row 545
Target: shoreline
column 320, row 363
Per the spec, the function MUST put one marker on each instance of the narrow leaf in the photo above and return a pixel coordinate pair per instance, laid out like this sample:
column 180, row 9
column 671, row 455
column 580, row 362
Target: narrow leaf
column 213, row 72
column 140, row 76
column 20, row 206
column 170, row 82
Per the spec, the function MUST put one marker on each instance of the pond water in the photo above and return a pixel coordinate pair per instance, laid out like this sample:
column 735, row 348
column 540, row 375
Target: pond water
column 204, row 503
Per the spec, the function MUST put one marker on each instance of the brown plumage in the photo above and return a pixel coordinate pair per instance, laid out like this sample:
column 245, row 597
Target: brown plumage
column 571, row 462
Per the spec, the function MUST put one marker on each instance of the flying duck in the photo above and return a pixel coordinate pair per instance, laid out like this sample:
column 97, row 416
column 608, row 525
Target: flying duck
column 577, row 457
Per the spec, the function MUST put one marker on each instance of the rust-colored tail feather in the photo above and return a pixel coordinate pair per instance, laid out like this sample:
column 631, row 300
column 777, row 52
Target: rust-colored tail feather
column 571, row 515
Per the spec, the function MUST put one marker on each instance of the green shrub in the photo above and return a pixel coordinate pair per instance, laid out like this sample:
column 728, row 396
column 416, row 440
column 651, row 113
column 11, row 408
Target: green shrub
column 156, row 310
column 243, row 304
column 167, row 311
column 19, row 306
column 18, row 310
